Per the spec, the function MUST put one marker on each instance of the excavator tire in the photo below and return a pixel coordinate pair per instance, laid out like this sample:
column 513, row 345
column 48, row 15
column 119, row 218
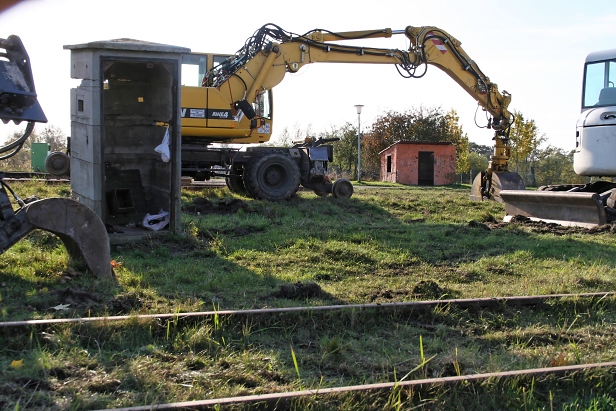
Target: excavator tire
column 272, row 175
column 236, row 184
column 342, row 188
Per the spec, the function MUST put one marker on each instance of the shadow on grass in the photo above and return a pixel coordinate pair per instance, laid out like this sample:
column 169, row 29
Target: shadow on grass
column 291, row 254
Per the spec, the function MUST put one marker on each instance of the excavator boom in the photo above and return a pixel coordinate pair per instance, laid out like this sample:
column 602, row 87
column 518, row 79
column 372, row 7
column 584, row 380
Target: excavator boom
column 237, row 83
column 234, row 104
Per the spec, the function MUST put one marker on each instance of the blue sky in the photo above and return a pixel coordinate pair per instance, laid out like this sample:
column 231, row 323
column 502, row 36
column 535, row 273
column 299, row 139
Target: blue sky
column 533, row 49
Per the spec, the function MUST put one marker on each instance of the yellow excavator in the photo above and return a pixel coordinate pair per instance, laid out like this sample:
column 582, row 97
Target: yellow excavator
column 80, row 229
column 234, row 104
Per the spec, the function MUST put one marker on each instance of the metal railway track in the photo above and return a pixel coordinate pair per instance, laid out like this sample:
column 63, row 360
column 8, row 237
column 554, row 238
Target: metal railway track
column 51, row 179
column 29, row 176
column 283, row 400
column 460, row 302
column 280, row 401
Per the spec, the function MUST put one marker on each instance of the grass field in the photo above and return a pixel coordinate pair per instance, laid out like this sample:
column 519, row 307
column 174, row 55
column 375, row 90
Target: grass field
column 385, row 244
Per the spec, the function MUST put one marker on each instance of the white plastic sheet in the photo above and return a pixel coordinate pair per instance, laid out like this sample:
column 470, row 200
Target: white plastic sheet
column 156, row 222
column 163, row 148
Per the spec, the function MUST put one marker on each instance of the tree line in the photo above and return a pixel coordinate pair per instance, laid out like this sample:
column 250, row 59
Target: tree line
column 536, row 163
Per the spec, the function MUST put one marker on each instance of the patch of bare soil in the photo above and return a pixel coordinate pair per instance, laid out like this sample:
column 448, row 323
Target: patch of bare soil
column 543, row 227
column 429, row 289
column 298, row 291
column 388, row 295
column 223, row 206
column 125, row 303
column 70, row 297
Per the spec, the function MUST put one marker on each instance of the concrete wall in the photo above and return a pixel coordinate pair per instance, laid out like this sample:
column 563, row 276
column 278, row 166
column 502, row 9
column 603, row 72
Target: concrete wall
column 127, row 87
column 405, row 163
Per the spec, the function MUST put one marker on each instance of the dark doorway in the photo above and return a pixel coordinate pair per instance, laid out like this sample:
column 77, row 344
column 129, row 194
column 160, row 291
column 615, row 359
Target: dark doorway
column 426, row 168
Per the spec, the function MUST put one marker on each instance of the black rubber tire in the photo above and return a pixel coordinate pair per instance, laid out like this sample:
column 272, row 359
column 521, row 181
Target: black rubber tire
column 272, row 176
column 342, row 188
column 236, row 184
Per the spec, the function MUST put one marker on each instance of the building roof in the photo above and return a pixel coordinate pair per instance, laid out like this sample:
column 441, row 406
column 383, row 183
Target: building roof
column 429, row 143
column 130, row 45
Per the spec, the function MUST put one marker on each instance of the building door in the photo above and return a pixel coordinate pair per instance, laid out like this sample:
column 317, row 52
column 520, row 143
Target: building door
column 426, row 168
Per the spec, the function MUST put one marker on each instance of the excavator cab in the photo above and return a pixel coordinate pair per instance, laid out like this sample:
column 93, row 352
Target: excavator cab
column 80, row 229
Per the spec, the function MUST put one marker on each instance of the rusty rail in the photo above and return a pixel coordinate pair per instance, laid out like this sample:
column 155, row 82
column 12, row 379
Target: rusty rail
column 462, row 303
column 278, row 400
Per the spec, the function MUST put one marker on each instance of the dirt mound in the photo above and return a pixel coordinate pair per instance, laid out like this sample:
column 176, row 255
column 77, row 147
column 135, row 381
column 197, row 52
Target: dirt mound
column 546, row 228
column 68, row 298
column 429, row 289
column 223, row 206
column 298, row 291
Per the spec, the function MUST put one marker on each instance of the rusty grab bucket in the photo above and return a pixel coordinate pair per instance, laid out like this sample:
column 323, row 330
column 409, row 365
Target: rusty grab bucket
column 84, row 235
column 500, row 181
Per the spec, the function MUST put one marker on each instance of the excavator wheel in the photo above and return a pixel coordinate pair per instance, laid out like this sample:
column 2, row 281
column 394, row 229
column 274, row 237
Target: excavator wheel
column 236, row 184
column 342, row 188
column 500, row 181
column 272, row 176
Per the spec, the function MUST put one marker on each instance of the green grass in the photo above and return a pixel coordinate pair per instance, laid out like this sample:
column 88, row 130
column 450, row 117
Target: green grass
column 385, row 244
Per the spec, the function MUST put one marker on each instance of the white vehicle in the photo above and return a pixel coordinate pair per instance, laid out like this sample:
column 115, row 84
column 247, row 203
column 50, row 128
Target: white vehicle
column 595, row 143
column 590, row 204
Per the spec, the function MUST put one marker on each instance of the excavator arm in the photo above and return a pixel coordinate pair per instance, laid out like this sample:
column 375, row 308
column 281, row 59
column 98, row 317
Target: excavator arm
column 80, row 229
column 233, row 90
column 261, row 65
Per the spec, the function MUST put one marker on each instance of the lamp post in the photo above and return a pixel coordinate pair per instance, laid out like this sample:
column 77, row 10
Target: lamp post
column 359, row 107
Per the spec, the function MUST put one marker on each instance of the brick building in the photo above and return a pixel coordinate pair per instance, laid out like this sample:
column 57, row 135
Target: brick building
column 416, row 163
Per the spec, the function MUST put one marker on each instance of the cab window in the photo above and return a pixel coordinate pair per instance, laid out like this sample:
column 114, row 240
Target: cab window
column 599, row 84
column 263, row 104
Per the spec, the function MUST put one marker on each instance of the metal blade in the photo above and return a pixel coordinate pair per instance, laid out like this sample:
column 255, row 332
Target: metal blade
column 561, row 207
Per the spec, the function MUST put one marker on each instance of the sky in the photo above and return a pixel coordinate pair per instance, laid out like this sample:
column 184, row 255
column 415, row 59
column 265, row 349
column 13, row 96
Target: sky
column 534, row 50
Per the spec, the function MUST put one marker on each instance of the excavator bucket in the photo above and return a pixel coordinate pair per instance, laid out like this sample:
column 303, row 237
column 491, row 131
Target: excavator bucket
column 80, row 229
column 580, row 209
column 500, row 181
column 18, row 100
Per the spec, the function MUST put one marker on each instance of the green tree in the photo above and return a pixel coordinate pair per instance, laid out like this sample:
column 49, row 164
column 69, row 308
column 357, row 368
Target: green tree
column 460, row 139
column 524, row 141
column 477, row 163
column 345, row 149
column 482, row 150
column 555, row 166
column 53, row 136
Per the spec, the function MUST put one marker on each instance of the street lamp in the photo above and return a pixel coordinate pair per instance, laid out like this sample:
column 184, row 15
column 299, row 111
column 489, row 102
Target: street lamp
column 359, row 107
